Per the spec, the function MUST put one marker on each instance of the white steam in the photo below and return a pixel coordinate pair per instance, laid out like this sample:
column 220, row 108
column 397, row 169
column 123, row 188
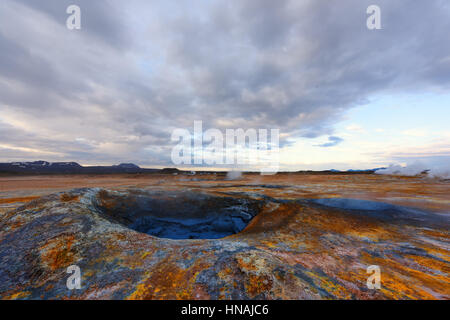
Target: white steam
column 431, row 170
column 234, row 175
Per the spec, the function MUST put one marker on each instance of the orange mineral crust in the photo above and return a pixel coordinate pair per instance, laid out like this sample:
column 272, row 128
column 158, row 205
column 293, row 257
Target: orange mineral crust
column 286, row 236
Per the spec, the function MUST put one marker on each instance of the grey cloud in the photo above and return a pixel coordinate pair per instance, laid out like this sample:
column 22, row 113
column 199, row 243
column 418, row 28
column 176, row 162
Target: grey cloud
column 100, row 19
column 138, row 69
column 333, row 141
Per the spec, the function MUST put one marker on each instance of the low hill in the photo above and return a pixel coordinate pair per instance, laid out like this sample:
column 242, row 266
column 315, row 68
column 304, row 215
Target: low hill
column 44, row 167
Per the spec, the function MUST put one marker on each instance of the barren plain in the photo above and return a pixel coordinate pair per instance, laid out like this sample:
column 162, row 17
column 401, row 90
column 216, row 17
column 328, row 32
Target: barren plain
column 287, row 236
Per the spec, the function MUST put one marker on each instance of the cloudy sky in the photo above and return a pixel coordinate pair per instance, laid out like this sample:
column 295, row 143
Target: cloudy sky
column 343, row 96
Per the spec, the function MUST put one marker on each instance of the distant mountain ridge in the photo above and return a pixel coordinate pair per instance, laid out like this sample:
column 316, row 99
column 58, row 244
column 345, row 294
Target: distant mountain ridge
column 45, row 167
column 337, row 172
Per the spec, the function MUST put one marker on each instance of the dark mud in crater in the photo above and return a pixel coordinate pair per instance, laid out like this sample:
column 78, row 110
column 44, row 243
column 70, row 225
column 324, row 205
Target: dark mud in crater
column 178, row 215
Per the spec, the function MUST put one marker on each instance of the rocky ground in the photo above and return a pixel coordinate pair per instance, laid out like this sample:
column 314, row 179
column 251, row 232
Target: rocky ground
column 274, row 237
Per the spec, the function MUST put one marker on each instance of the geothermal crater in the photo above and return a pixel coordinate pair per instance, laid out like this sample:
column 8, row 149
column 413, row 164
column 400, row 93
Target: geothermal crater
column 259, row 241
column 177, row 215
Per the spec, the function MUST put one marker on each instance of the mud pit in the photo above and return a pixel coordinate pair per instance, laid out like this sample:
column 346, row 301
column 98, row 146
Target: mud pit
column 178, row 215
